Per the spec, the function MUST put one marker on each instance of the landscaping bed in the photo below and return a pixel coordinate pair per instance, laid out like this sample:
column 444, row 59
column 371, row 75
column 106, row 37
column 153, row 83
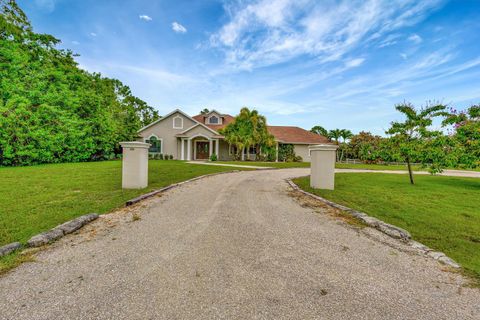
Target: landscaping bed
column 441, row 212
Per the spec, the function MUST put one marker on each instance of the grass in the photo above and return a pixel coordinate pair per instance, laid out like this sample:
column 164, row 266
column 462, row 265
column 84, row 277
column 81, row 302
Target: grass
column 35, row 199
column 376, row 166
column 268, row 164
column 441, row 212
column 307, row 165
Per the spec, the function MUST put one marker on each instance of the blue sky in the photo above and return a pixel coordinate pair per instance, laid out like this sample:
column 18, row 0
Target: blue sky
column 339, row 64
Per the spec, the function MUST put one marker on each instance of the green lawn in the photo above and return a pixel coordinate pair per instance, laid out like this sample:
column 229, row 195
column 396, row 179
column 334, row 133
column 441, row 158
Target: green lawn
column 268, row 164
column 307, row 165
column 375, row 166
column 441, row 212
column 37, row 198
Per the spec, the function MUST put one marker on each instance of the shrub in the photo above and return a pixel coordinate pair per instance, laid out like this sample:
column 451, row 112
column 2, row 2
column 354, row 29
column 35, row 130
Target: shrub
column 286, row 153
column 298, row 159
column 213, row 157
column 171, row 157
column 160, row 156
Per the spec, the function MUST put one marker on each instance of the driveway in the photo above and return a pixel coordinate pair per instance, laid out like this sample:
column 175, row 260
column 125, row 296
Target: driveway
column 233, row 246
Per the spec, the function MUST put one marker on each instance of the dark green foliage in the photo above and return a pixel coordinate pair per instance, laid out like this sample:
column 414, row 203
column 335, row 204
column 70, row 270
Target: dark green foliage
column 51, row 110
column 286, row 153
column 213, row 157
column 249, row 129
column 320, row 130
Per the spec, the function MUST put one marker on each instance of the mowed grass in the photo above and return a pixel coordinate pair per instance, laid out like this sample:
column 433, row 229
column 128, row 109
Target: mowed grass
column 376, row 166
column 35, row 199
column 307, row 165
column 267, row 164
column 441, row 212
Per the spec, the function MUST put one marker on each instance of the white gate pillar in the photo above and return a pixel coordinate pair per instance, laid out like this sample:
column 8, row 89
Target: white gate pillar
column 322, row 166
column 135, row 165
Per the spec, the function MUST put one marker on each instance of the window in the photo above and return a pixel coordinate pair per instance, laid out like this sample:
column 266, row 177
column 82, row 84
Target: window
column 213, row 120
column 156, row 145
column 178, row 122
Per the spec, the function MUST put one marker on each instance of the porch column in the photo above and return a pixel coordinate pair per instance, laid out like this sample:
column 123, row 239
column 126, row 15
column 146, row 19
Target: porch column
column 217, row 148
column 210, row 147
column 276, row 153
column 189, row 149
column 182, row 148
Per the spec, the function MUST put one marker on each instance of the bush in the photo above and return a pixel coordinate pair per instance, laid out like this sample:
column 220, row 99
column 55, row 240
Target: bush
column 213, row 157
column 298, row 159
column 171, row 157
column 160, row 156
column 286, row 153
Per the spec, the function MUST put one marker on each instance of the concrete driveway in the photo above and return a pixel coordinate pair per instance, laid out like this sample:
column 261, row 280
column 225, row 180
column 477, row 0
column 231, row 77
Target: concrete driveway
column 234, row 246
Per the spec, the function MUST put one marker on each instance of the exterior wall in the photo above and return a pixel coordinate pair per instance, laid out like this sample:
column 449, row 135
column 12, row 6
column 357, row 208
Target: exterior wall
column 200, row 130
column 302, row 151
column 164, row 130
column 223, row 151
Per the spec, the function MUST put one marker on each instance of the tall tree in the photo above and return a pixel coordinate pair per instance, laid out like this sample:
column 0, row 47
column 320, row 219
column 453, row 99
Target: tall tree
column 345, row 134
column 320, row 131
column 248, row 129
column 414, row 129
column 335, row 135
column 53, row 111
column 204, row 111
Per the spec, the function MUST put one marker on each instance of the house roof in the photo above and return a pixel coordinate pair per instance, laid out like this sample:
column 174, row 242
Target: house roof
column 226, row 120
column 165, row 117
column 283, row 134
column 286, row 134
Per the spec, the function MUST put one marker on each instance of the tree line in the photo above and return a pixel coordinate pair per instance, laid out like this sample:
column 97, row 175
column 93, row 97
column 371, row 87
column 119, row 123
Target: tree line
column 50, row 109
column 413, row 140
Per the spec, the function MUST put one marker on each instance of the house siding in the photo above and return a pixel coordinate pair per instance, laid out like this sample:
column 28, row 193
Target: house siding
column 164, row 130
column 302, row 151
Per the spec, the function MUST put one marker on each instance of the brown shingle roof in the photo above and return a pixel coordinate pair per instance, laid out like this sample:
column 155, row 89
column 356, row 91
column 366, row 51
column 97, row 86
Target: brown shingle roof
column 226, row 120
column 287, row 134
column 283, row 134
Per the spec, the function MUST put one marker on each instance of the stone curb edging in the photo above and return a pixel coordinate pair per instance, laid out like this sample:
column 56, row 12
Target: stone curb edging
column 9, row 248
column 174, row 185
column 50, row 235
column 61, row 230
column 390, row 230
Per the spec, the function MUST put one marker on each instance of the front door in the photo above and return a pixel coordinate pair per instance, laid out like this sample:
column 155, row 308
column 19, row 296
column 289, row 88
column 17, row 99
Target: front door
column 202, row 150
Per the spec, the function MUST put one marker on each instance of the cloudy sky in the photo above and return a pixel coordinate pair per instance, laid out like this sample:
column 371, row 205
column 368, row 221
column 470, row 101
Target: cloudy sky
column 339, row 64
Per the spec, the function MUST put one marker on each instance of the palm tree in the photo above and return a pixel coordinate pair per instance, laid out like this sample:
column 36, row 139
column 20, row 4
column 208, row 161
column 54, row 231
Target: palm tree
column 320, row 131
column 249, row 129
column 345, row 134
column 335, row 135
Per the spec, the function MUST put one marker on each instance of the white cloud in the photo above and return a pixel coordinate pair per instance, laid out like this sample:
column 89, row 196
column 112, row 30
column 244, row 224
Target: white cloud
column 93, row 34
column 389, row 40
column 354, row 62
column 75, row 42
column 267, row 32
column 404, row 56
column 177, row 27
column 415, row 38
column 145, row 17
